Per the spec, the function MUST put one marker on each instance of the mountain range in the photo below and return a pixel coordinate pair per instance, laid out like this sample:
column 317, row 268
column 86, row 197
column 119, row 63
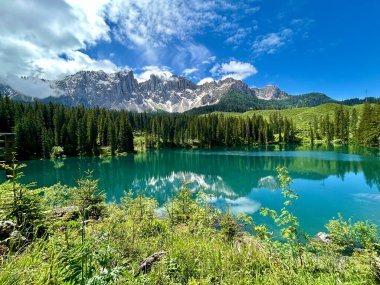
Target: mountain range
column 121, row 90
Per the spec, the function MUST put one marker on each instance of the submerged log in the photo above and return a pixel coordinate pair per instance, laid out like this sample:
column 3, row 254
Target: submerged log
column 146, row 265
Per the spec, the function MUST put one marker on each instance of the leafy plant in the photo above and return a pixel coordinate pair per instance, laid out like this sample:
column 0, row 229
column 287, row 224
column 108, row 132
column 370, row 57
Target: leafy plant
column 348, row 235
column 286, row 220
column 90, row 201
column 141, row 210
column 88, row 197
column 229, row 225
column 107, row 251
column 56, row 151
column 19, row 202
column 57, row 195
column 183, row 206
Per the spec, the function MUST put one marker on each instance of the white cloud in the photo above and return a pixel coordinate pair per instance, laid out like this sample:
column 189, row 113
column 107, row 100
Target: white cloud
column 205, row 80
column 252, row 10
column 270, row 43
column 302, row 26
column 35, row 34
column 161, row 28
column 75, row 62
column 156, row 22
column 47, row 38
column 302, row 22
column 188, row 71
column 215, row 69
column 189, row 54
column 162, row 72
column 234, row 69
column 33, row 87
column 209, row 60
column 239, row 35
column 241, row 205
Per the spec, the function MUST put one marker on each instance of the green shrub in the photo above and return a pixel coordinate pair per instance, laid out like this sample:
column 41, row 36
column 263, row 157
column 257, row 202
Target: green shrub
column 105, row 151
column 56, row 151
column 289, row 225
column 229, row 225
column 19, row 202
column 57, row 195
column 182, row 208
column 348, row 235
column 111, row 249
column 89, row 198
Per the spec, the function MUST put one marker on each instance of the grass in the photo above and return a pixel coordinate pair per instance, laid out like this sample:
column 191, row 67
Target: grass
column 300, row 116
column 202, row 245
column 303, row 118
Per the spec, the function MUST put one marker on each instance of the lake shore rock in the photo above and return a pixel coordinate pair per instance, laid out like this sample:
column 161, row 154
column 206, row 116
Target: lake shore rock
column 6, row 229
column 149, row 261
column 68, row 213
column 323, row 237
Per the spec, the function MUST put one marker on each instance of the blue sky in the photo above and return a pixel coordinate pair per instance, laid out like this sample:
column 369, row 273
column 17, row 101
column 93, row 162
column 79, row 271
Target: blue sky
column 301, row 46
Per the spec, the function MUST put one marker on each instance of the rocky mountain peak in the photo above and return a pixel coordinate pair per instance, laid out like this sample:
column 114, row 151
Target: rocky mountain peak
column 270, row 92
column 172, row 93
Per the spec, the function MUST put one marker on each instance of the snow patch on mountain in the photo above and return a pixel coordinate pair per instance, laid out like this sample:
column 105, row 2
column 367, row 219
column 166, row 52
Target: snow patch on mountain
column 145, row 92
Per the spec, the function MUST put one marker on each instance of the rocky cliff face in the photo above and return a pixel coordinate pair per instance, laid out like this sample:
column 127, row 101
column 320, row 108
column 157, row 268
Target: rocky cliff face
column 121, row 90
column 270, row 92
column 6, row 90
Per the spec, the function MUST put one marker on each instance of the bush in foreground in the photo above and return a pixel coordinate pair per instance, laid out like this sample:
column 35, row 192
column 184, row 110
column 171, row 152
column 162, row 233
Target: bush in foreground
column 197, row 244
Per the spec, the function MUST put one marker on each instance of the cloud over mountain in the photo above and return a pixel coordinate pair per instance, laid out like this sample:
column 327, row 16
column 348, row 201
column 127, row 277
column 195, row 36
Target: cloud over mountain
column 50, row 39
column 45, row 38
column 234, row 69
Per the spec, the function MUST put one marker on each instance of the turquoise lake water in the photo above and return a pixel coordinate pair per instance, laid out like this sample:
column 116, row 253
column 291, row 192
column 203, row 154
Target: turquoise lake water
column 329, row 180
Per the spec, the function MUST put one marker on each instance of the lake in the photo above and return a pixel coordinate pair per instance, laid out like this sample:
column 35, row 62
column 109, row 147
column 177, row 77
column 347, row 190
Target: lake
column 329, row 180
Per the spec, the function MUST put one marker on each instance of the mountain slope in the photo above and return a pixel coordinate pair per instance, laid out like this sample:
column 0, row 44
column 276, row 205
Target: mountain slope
column 121, row 90
column 172, row 94
column 302, row 116
column 239, row 102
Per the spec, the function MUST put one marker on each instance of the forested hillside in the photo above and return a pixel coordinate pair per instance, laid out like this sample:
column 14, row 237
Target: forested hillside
column 240, row 102
column 95, row 131
column 358, row 124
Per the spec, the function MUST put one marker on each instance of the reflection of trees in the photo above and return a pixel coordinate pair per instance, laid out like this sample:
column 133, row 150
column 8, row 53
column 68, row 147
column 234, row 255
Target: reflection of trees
column 58, row 163
column 238, row 167
column 234, row 172
column 371, row 170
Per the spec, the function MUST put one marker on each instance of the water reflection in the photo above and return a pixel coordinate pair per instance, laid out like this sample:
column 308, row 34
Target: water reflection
column 241, row 205
column 329, row 180
column 231, row 173
column 269, row 183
